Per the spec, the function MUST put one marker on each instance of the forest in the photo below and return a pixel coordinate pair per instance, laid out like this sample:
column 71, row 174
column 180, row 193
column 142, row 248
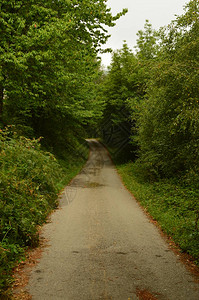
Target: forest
column 54, row 93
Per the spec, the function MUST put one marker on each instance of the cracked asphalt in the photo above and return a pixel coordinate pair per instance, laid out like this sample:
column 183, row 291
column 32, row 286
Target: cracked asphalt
column 101, row 245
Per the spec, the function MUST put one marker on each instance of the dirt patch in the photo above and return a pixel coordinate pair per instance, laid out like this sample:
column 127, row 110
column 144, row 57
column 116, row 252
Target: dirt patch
column 22, row 272
column 93, row 185
column 145, row 295
column 185, row 258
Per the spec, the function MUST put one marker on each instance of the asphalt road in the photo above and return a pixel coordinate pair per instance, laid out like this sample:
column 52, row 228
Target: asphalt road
column 102, row 245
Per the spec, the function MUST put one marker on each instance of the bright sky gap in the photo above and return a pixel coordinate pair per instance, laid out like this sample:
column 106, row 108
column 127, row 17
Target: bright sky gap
column 158, row 12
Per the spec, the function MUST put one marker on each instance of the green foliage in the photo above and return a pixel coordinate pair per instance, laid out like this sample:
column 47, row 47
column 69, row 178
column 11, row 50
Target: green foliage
column 48, row 73
column 157, row 92
column 158, row 88
column 27, row 193
column 167, row 118
column 125, row 81
column 171, row 202
column 49, row 63
column 30, row 180
column 147, row 42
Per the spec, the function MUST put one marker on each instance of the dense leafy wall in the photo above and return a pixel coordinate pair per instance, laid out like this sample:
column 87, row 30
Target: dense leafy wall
column 49, row 70
column 158, row 86
column 49, row 65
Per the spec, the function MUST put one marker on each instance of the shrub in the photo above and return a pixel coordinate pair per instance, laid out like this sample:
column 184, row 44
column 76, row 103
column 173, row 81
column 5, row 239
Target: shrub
column 28, row 192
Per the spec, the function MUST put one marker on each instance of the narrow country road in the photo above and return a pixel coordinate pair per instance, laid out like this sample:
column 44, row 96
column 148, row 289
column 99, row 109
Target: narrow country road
column 102, row 246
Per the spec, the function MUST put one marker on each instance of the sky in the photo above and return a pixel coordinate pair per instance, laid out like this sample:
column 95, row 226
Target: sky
column 158, row 12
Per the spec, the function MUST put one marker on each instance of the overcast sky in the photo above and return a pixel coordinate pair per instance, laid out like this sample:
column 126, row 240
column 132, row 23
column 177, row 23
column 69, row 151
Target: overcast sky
column 158, row 12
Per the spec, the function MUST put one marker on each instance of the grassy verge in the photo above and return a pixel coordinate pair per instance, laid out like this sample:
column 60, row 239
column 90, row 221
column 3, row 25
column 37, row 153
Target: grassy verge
column 171, row 202
column 30, row 181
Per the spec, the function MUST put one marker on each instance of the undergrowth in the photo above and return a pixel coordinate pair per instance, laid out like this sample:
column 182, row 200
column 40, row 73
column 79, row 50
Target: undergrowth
column 30, row 180
column 173, row 202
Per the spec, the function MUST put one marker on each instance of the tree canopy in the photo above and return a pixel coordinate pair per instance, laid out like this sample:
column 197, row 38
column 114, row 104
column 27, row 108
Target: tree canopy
column 159, row 86
column 49, row 63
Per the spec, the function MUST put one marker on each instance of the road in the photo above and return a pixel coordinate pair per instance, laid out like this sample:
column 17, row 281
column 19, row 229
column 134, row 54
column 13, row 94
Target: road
column 101, row 245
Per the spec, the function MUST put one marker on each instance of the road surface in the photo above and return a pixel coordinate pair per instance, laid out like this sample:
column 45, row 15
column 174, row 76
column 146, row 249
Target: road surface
column 102, row 245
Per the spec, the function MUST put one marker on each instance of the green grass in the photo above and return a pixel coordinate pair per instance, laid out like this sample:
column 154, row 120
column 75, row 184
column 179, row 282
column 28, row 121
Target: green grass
column 172, row 202
column 30, row 181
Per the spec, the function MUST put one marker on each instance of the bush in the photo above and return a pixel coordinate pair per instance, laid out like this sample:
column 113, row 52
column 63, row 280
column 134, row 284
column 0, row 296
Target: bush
column 28, row 192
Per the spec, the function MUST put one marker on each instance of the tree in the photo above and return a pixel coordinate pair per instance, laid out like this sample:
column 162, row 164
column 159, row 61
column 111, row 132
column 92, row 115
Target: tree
column 168, row 119
column 49, row 60
column 147, row 42
column 122, row 88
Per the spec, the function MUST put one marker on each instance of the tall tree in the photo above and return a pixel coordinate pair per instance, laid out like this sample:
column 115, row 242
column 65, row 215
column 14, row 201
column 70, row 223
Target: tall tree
column 168, row 121
column 123, row 86
column 49, row 59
